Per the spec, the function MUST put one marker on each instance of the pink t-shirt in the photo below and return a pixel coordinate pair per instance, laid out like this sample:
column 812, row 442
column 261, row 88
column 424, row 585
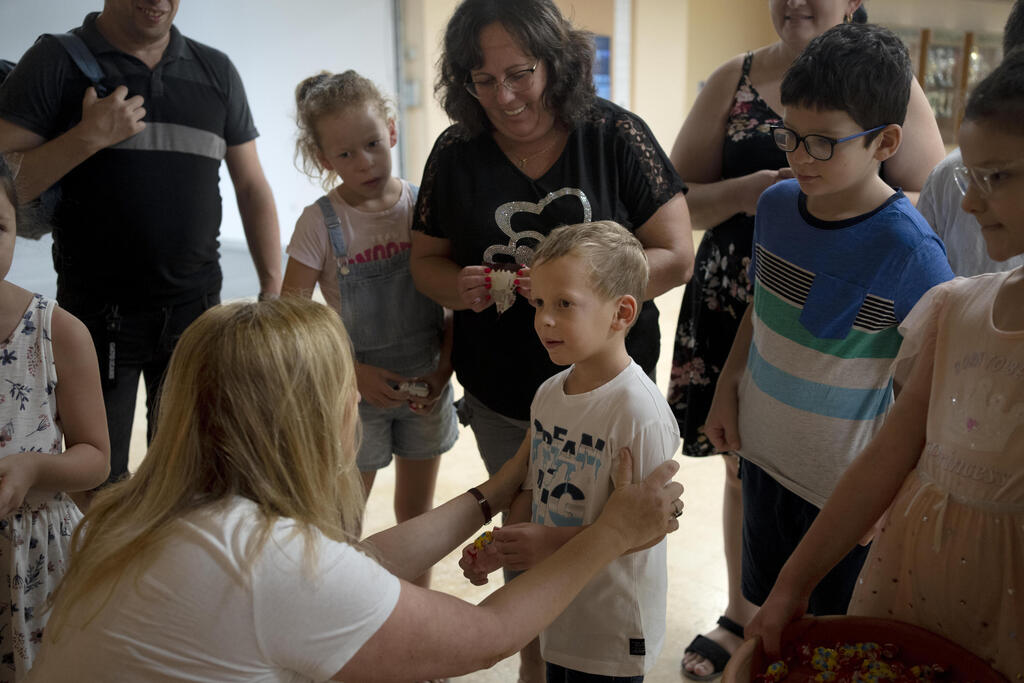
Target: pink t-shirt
column 369, row 236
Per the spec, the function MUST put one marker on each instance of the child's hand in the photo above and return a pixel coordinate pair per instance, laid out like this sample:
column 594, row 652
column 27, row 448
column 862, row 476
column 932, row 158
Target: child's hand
column 377, row 386
column 776, row 612
column 522, row 282
column 477, row 563
column 722, row 425
column 474, row 288
column 437, row 381
column 17, row 475
column 521, row 546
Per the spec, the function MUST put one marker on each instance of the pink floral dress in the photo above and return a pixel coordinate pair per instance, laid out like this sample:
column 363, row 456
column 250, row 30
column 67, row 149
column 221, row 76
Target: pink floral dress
column 950, row 554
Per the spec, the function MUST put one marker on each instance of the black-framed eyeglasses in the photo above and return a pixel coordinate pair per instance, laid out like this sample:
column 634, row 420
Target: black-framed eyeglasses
column 517, row 81
column 820, row 147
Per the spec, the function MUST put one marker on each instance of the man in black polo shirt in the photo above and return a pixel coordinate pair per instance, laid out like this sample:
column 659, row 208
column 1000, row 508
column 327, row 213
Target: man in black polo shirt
column 136, row 226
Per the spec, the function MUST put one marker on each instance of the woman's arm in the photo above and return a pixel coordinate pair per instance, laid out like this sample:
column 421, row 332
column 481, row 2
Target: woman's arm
column 697, row 155
column 441, row 279
column 432, row 635
column 863, row 494
column 85, row 463
column 921, row 149
column 410, row 548
column 668, row 243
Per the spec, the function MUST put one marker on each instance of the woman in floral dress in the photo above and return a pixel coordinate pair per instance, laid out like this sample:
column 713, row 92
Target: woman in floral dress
column 725, row 154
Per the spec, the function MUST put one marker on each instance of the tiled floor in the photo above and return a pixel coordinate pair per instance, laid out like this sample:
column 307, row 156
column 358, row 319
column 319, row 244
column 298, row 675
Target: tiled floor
column 696, row 589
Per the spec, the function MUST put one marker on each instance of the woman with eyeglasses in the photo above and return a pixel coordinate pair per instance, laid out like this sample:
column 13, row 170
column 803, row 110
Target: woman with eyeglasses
column 532, row 148
column 727, row 155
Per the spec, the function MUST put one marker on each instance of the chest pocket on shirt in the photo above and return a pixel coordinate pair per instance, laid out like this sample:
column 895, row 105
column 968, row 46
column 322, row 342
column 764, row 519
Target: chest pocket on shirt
column 832, row 306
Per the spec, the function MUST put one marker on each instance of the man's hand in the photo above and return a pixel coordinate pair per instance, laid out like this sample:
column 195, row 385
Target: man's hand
column 109, row 120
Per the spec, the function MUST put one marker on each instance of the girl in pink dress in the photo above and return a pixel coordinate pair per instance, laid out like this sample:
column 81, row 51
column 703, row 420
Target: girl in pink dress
column 946, row 471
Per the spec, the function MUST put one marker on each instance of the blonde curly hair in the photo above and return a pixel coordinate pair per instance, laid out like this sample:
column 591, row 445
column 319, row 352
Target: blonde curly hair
column 324, row 94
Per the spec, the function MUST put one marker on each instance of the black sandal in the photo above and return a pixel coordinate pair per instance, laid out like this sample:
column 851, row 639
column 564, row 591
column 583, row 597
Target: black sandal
column 712, row 651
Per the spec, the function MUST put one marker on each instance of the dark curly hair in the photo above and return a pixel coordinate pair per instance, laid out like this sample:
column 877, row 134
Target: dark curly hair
column 542, row 32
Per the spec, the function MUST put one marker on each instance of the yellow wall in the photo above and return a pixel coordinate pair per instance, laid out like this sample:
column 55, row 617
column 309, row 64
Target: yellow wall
column 594, row 15
column 423, row 24
column 720, row 30
column 660, row 58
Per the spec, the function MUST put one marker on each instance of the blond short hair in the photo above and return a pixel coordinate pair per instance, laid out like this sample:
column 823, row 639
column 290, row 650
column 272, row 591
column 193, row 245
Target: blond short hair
column 614, row 257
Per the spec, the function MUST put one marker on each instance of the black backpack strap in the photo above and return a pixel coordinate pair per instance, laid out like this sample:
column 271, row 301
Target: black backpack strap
column 83, row 58
column 6, row 67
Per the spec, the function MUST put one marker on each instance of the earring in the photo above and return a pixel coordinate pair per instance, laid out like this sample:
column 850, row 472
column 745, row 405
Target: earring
column 847, row 18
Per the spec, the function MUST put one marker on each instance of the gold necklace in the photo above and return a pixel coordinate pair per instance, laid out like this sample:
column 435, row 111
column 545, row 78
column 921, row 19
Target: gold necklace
column 525, row 160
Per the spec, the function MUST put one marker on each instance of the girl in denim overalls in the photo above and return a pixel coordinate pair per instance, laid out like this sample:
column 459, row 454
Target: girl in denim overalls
column 354, row 242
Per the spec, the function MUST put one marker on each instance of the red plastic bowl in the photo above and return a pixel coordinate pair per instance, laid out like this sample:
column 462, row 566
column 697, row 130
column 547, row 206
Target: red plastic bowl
column 915, row 643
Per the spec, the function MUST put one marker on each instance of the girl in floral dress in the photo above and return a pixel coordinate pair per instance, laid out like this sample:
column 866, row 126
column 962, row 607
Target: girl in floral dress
column 49, row 393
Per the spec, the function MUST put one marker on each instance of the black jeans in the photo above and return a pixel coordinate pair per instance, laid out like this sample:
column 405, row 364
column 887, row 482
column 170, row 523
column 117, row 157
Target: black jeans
column 559, row 674
column 133, row 343
column 774, row 521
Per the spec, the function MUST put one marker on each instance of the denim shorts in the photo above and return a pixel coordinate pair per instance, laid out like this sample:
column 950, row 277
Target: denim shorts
column 401, row 432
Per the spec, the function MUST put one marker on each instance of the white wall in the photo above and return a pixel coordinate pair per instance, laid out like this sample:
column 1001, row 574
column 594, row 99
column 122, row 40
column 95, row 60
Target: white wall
column 274, row 45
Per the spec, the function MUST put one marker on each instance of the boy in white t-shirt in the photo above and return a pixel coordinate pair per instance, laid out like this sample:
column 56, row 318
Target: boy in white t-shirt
column 587, row 282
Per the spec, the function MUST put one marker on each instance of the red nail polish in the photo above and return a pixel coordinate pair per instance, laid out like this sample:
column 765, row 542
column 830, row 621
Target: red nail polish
column 487, row 279
column 488, row 285
column 487, row 298
column 519, row 272
column 487, row 270
column 515, row 282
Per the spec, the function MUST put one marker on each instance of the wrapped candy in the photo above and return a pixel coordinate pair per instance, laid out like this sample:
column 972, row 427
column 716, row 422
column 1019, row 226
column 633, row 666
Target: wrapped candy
column 825, row 659
column 486, row 538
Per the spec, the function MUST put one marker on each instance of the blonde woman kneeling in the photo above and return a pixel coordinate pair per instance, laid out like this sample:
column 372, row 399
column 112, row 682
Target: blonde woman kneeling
column 230, row 555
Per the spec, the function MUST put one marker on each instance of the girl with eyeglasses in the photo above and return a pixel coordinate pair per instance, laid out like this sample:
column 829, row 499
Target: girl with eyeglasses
column 532, row 148
column 726, row 153
column 947, row 468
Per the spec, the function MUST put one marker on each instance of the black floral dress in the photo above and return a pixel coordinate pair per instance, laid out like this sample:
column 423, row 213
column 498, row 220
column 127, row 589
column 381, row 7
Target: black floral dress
column 718, row 293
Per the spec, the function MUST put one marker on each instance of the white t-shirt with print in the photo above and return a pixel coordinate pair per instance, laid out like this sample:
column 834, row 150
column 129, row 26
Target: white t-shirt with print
column 369, row 236
column 198, row 614
column 616, row 625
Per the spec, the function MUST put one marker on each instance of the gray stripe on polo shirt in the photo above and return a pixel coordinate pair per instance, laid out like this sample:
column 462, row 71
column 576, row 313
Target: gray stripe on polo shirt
column 173, row 137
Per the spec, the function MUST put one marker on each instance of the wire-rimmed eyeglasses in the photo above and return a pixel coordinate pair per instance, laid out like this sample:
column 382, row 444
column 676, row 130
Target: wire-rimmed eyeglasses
column 517, row 81
column 985, row 179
